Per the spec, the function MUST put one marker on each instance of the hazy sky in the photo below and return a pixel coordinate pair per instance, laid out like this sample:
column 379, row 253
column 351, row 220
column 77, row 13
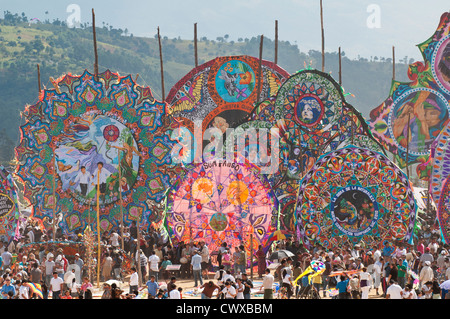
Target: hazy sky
column 360, row 27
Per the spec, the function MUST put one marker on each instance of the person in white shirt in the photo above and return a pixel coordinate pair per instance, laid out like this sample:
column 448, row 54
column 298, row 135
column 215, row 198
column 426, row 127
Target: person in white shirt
column 7, row 258
column 134, row 281
column 56, row 286
column 267, row 285
column 99, row 177
column 239, row 289
column 229, row 291
column 365, row 279
column 394, row 291
column 30, row 235
column 23, row 290
column 115, row 239
column 426, row 273
column 377, row 271
column 174, row 293
column 82, row 178
column 228, row 276
column 153, row 262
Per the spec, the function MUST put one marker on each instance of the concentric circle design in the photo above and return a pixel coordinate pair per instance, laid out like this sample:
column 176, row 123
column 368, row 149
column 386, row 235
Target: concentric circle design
column 93, row 140
column 352, row 195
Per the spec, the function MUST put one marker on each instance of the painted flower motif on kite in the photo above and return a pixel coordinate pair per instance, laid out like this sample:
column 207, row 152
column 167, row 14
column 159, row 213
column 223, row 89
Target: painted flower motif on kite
column 92, row 135
column 222, row 202
column 353, row 195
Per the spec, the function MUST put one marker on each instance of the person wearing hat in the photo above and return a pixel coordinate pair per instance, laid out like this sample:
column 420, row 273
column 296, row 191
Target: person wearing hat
column 426, row 273
column 49, row 266
column 80, row 263
column 440, row 260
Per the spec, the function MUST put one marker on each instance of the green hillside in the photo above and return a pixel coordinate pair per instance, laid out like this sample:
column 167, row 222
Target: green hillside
column 59, row 50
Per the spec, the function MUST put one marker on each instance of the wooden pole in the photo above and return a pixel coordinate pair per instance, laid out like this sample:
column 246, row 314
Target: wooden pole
column 39, row 78
column 162, row 68
column 195, row 45
column 407, row 147
column 393, row 63
column 260, row 69
column 120, row 198
column 323, row 36
column 251, row 255
column 95, row 46
column 276, row 42
column 54, row 195
column 138, row 253
column 98, row 228
column 340, row 67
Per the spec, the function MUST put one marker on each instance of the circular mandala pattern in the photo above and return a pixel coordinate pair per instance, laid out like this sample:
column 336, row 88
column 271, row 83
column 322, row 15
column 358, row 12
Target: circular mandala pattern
column 311, row 99
column 444, row 209
column 441, row 64
column 354, row 194
column 96, row 138
column 241, row 203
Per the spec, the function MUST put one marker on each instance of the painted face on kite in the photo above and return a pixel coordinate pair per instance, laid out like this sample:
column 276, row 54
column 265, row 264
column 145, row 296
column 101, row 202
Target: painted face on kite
column 309, row 110
column 425, row 99
column 424, row 112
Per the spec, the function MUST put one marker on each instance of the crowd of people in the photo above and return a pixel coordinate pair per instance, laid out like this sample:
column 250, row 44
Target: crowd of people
column 150, row 263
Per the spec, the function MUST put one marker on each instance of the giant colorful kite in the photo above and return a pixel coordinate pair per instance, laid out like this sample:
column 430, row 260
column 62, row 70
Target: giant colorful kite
column 314, row 118
column 415, row 112
column 354, row 195
column 88, row 134
column 222, row 92
column 439, row 179
column 9, row 210
column 219, row 202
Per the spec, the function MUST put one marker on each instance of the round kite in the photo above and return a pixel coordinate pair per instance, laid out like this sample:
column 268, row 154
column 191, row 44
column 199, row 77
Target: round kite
column 104, row 138
column 314, row 118
column 443, row 210
column 222, row 202
column 440, row 176
column 222, row 91
column 414, row 114
column 9, row 210
column 354, row 195
column 309, row 99
column 440, row 155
